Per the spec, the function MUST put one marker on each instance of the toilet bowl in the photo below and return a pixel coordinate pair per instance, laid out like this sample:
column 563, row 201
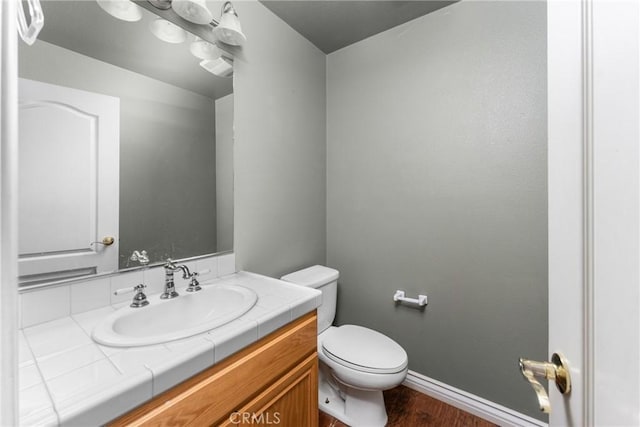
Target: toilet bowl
column 356, row 363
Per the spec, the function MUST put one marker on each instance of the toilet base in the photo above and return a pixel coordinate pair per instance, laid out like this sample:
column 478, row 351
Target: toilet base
column 356, row 408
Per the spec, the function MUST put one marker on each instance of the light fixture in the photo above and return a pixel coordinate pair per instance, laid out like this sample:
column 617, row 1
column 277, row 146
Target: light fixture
column 204, row 50
column 167, row 31
column 221, row 67
column 161, row 4
column 195, row 11
column 125, row 10
column 228, row 29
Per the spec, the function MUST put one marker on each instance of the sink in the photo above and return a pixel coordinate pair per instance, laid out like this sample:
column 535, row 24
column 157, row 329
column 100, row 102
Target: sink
column 181, row 317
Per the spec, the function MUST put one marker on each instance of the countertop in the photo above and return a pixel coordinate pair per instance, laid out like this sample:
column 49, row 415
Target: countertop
column 68, row 379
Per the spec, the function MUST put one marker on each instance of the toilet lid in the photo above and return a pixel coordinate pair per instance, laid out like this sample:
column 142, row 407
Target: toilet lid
column 365, row 350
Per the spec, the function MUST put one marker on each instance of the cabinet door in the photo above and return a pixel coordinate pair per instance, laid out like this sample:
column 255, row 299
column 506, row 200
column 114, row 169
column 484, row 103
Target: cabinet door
column 292, row 401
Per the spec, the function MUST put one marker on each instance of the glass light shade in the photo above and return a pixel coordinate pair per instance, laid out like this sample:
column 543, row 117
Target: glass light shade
column 204, row 50
column 229, row 30
column 195, row 11
column 121, row 9
column 221, row 67
column 167, row 31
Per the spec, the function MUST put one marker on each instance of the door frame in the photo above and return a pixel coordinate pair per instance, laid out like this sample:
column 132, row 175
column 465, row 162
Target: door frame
column 594, row 189
column 8, row 213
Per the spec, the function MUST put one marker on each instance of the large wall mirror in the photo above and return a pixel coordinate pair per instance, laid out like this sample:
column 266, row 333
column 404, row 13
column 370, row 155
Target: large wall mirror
column 172, row 121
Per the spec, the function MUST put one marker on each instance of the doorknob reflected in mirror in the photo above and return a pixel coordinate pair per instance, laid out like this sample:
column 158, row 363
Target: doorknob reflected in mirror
column 106, row 241
column 556, row 370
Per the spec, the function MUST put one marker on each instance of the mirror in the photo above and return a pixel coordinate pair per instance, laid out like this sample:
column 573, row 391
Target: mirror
column 175, row 162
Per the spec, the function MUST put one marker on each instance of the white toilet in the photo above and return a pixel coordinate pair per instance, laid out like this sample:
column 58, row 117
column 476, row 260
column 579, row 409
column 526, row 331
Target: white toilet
column 356, row 363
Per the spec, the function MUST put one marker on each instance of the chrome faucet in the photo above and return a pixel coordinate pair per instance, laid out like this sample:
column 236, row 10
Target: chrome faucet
column 169, row 286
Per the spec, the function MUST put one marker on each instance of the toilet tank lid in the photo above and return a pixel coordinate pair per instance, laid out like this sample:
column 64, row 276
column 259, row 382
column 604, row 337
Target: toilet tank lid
column 314, row 276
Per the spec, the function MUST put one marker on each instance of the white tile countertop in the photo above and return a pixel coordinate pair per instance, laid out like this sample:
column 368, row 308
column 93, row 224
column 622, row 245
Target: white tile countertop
column 68, row 379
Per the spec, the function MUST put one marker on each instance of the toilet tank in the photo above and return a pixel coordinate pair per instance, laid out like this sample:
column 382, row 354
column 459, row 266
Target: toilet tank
column 324, row 279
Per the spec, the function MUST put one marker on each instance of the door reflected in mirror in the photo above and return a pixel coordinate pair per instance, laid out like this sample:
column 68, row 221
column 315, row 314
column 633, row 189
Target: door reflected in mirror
column 173, row 174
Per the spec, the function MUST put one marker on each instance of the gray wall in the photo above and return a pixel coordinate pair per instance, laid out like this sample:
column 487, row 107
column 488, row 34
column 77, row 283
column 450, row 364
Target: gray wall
column 437, row 184
column 167, row 152
column 280, row 147
column 224, row 172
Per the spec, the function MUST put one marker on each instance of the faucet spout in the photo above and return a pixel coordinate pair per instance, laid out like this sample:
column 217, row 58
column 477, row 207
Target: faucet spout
column 186, row 274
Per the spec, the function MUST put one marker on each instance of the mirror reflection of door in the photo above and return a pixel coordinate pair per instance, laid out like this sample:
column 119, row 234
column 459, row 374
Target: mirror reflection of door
column 68, row 172
column 176, row 131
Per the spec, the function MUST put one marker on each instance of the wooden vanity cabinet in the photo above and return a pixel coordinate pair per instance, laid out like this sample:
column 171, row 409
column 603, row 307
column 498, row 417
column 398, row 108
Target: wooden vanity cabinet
column 272, row 382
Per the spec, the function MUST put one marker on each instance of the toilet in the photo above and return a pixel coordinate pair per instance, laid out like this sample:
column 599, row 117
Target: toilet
column 356, row 363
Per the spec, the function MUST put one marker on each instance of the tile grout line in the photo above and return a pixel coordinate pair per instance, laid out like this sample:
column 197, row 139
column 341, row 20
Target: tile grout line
column 44, row 383
column 106, row 356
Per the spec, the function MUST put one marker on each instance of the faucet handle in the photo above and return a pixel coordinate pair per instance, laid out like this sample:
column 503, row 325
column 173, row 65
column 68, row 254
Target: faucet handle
column 123, row 291
column 202, row 272
column 194, row 285
column 141, row 256
column 139, row 299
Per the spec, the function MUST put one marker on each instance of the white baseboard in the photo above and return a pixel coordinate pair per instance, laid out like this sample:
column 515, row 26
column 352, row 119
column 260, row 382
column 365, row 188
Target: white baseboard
column 470, row 403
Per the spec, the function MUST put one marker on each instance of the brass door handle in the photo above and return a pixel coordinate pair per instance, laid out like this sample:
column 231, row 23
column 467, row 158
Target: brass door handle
column 106, row 241
column 556, row 370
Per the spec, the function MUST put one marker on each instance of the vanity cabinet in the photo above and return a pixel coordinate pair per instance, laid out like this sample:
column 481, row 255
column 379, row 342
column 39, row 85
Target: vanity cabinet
column 272, row 382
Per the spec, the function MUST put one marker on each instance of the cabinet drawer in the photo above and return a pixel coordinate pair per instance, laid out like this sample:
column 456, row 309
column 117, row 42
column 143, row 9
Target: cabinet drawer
column 211, row 396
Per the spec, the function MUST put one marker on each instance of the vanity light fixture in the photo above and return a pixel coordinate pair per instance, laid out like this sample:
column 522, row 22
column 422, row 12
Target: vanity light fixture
column 161, row 4
column 221, row 67
column 204, row 50
column 125, row 10
column 167, row 31
column 228, row 30
column 195, row 11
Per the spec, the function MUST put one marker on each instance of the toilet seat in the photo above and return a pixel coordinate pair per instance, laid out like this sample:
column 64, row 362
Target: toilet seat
column 364, row 350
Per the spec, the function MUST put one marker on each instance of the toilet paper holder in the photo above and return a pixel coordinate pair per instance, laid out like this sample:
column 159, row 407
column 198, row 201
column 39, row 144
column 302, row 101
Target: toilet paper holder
column 400, row 296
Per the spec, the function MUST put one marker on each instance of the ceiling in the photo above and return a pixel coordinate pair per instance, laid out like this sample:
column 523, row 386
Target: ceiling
column 82, row 26
column 332, row 25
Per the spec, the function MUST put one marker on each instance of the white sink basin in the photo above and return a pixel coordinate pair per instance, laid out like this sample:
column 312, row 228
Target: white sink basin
column 181, row 317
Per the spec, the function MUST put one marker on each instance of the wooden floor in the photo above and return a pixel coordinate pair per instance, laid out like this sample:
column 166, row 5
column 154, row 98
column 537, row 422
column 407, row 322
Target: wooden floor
column 409, row 408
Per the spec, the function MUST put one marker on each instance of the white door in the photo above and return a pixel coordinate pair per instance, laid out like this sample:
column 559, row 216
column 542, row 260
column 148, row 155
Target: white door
column 594, row 115
column 68, row 182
